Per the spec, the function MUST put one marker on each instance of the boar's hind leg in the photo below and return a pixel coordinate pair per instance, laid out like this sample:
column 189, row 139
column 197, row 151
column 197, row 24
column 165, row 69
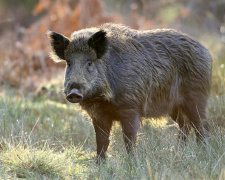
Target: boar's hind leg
column 178, row 116
column 130, row 122
column 102, row 131
column 195, row 110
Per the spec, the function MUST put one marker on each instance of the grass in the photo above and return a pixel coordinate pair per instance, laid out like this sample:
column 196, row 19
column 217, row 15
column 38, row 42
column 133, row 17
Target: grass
column 43, row 139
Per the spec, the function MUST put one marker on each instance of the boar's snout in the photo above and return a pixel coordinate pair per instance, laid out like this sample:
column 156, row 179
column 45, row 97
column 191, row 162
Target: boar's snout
column 74, row 96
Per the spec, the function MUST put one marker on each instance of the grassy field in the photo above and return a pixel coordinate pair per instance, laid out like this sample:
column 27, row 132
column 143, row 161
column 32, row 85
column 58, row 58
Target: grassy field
column 45, row 138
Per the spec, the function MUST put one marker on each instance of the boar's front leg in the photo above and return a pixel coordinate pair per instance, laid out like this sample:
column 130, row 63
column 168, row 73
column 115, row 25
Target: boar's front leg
column 102, row 131
column 130, row 122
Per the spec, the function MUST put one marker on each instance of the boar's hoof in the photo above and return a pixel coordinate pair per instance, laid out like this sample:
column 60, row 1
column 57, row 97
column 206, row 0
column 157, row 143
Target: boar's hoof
column 74, row 96
column 100, row 160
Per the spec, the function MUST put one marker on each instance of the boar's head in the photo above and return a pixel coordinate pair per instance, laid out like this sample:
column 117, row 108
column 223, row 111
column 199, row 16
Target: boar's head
column 82, row 53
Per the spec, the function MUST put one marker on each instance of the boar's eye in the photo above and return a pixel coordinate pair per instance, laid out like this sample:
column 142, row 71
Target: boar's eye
column 68, row 64
column 90, row 66
column 89, row 63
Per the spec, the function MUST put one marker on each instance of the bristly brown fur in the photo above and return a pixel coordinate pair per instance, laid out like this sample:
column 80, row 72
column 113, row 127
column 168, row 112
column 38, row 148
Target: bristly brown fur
column 139, row 74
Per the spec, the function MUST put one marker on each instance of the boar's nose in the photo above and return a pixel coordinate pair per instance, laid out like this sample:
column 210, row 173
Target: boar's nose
column 74, row 96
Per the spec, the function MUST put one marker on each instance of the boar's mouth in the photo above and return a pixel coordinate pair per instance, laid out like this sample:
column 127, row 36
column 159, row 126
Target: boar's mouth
column 74, row 96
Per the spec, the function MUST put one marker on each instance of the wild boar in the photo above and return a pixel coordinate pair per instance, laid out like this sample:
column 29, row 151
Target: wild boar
column 118, row 73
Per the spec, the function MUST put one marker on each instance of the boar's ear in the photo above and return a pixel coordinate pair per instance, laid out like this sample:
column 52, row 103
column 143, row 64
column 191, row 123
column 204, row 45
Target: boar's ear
column 98, row 42
column 58, row 44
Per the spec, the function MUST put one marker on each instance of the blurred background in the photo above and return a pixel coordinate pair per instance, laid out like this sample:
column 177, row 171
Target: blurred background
column 24, row 46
